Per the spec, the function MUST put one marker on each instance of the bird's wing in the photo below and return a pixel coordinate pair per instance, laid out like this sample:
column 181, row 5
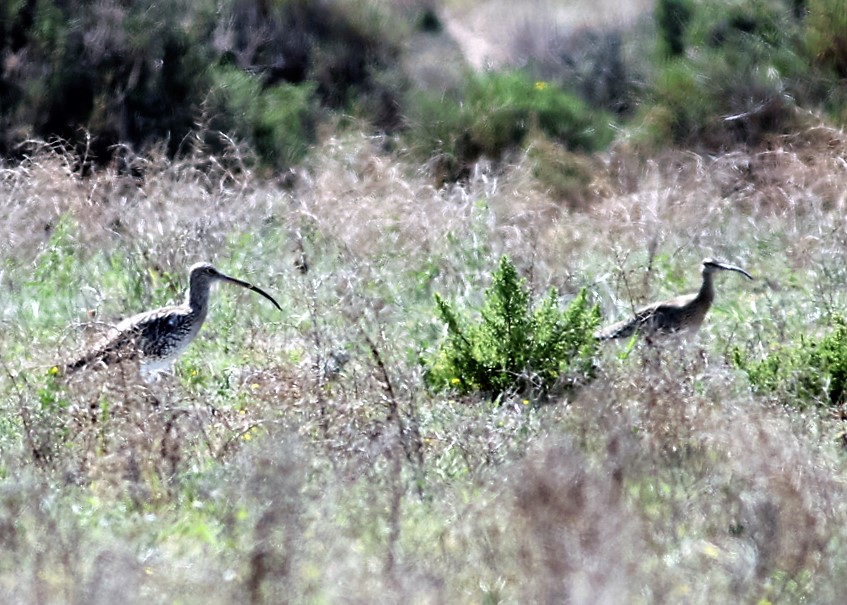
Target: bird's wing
column 114, row 347
column 126, row 340
column 153, row 329
column 627, row 327
column 651, row 317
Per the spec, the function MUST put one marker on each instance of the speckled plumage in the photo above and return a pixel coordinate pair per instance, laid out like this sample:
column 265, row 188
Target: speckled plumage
column 683, row 313
column 156, row 338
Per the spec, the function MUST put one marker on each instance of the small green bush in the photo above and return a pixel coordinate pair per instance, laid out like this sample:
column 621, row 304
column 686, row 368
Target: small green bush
column 513, row 346
column 826, row 34
column 278, row 121
column 441, row 133
column 810, row 372
column 508, row 105
column 496, row 112
column 680, row 110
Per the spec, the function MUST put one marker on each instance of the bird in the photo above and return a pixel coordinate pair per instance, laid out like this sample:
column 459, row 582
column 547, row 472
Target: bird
column 156, row 338
column 683, row 313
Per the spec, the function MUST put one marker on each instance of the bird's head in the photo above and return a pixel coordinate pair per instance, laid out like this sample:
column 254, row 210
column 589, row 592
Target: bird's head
column 202, row 274
column 203, row 270
column 711, row 265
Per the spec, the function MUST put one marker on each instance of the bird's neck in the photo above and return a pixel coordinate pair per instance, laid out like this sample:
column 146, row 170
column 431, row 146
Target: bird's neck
column 197, row 299
column 707, row 290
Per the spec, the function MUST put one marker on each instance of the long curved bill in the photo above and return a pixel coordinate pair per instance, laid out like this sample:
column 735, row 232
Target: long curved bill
column 728, row 267
column 249, row 286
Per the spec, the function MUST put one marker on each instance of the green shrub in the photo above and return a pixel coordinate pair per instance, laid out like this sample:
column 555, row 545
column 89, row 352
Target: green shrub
column 809, row 372
column 343, row 46
column 98, row 74
column 441, row 133
column 278, row 121
column 496, row 114
column 507, row 105
column 680, row 110
column 513, row 346
column 95, row 76
column 826, row 34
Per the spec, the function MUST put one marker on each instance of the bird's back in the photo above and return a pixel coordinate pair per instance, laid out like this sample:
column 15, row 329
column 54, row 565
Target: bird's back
column 154, row 336
column 164, row 332
column 666, row 316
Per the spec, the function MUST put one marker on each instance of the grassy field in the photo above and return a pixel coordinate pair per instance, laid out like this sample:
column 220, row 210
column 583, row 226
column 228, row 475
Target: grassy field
column 257, row 473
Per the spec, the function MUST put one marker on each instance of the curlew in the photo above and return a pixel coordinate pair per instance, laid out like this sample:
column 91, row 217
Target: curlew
column 683, row 313
column 156, row 338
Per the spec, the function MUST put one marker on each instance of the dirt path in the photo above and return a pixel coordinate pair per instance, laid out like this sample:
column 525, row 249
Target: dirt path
column 490, row 33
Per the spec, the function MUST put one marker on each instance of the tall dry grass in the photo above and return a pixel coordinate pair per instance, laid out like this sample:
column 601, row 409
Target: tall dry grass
column 259, row 473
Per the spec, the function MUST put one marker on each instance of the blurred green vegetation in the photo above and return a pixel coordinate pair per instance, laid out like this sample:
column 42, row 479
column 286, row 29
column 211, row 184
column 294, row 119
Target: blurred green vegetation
column 96, row 74
column 495, row 113
column 128, row 73
column 279, row 120
column 728, row 74
column 108, row 76
column 672, row 20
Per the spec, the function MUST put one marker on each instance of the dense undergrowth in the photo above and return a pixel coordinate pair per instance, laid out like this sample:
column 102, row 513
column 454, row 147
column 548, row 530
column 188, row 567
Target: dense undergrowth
column 812, row 371
column 301, row 456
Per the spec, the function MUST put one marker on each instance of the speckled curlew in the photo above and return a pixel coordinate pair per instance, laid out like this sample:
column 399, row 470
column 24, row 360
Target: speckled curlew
column 156, row 338
column 683, row 313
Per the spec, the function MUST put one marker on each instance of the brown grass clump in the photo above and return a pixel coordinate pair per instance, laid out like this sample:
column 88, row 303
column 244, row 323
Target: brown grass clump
column 718, row 477
column 576, row 539
column 363, row 199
